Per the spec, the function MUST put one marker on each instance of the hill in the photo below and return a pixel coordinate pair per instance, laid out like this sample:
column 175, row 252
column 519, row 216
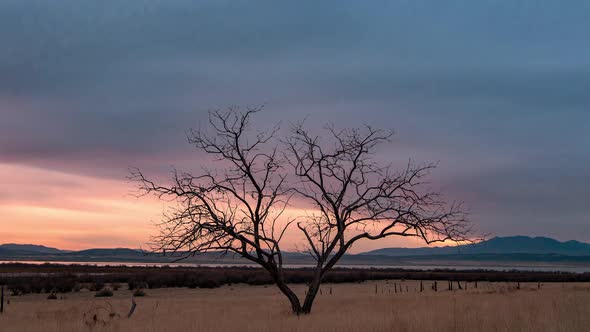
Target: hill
column 497, row 245
column 505, row 251
column 29, row 249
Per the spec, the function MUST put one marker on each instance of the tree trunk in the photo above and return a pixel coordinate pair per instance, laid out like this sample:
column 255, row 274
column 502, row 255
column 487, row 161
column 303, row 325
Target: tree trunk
column 293, row 299
column 310, row 297
column 312, row 292
column 279, row 280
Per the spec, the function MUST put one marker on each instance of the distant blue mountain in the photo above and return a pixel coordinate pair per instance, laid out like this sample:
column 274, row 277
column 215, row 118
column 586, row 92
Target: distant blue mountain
column 496, row 245
column 513, row 250
column 107, row 252
column 30, row 249
column 38, row 252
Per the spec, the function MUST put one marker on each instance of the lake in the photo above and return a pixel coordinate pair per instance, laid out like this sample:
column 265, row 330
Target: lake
column 545, row 267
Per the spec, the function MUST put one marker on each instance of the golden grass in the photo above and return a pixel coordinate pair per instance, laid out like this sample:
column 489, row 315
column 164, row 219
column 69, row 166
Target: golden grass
column 351, row 307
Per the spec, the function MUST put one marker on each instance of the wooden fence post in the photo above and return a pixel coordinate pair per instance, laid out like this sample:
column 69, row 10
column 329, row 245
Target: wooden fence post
column 133, row 306
column 2, row 300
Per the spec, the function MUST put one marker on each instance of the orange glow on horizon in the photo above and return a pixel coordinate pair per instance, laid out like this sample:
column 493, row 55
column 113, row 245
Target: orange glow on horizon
column 74, row 212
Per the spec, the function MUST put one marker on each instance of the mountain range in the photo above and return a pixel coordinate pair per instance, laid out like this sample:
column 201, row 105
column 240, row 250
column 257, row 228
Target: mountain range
column 497, row 245
column 512, row 250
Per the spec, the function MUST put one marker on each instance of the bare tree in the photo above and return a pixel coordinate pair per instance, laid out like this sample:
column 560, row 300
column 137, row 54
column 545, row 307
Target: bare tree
column 356, row 198
column 233, row 210
column 238, row 207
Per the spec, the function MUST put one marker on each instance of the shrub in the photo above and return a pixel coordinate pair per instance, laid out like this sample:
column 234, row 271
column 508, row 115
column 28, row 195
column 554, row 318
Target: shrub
column 138, row 292
column 132, row 284
column 52, row 296
column 209, row 283
column 97, row 286
column 105, row 292
column 62, row 284
column 65, row 278
column 19, row 288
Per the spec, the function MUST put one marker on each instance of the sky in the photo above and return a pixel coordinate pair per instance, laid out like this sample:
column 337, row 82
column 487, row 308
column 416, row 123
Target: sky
column 496, row 92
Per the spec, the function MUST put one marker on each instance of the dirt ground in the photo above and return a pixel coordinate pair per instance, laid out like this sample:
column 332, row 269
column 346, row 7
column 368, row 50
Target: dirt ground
column 369, row 306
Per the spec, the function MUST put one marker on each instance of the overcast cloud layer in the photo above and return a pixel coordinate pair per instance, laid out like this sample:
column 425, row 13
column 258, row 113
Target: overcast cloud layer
column 497, row 91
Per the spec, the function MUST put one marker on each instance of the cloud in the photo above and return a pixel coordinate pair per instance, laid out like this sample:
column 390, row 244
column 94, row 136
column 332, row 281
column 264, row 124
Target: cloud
column 490, row 89
column 536, row 199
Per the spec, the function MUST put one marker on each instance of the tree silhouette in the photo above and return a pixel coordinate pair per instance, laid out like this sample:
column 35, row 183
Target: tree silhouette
column 238, row 207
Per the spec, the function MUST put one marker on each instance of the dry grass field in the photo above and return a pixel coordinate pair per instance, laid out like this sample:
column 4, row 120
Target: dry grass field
column 349, row 307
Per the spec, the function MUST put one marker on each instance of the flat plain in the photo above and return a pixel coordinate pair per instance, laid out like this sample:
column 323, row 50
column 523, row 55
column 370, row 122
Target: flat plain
column 367, row 306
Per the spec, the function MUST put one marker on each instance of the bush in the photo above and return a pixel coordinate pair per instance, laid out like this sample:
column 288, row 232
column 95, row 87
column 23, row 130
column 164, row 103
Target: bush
column 138, row 292
column 134, row 283
column 97, row 286
column 52, row 296
column 65, row 278
column 63, row 284
column 105, row 292
column 209, row 283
